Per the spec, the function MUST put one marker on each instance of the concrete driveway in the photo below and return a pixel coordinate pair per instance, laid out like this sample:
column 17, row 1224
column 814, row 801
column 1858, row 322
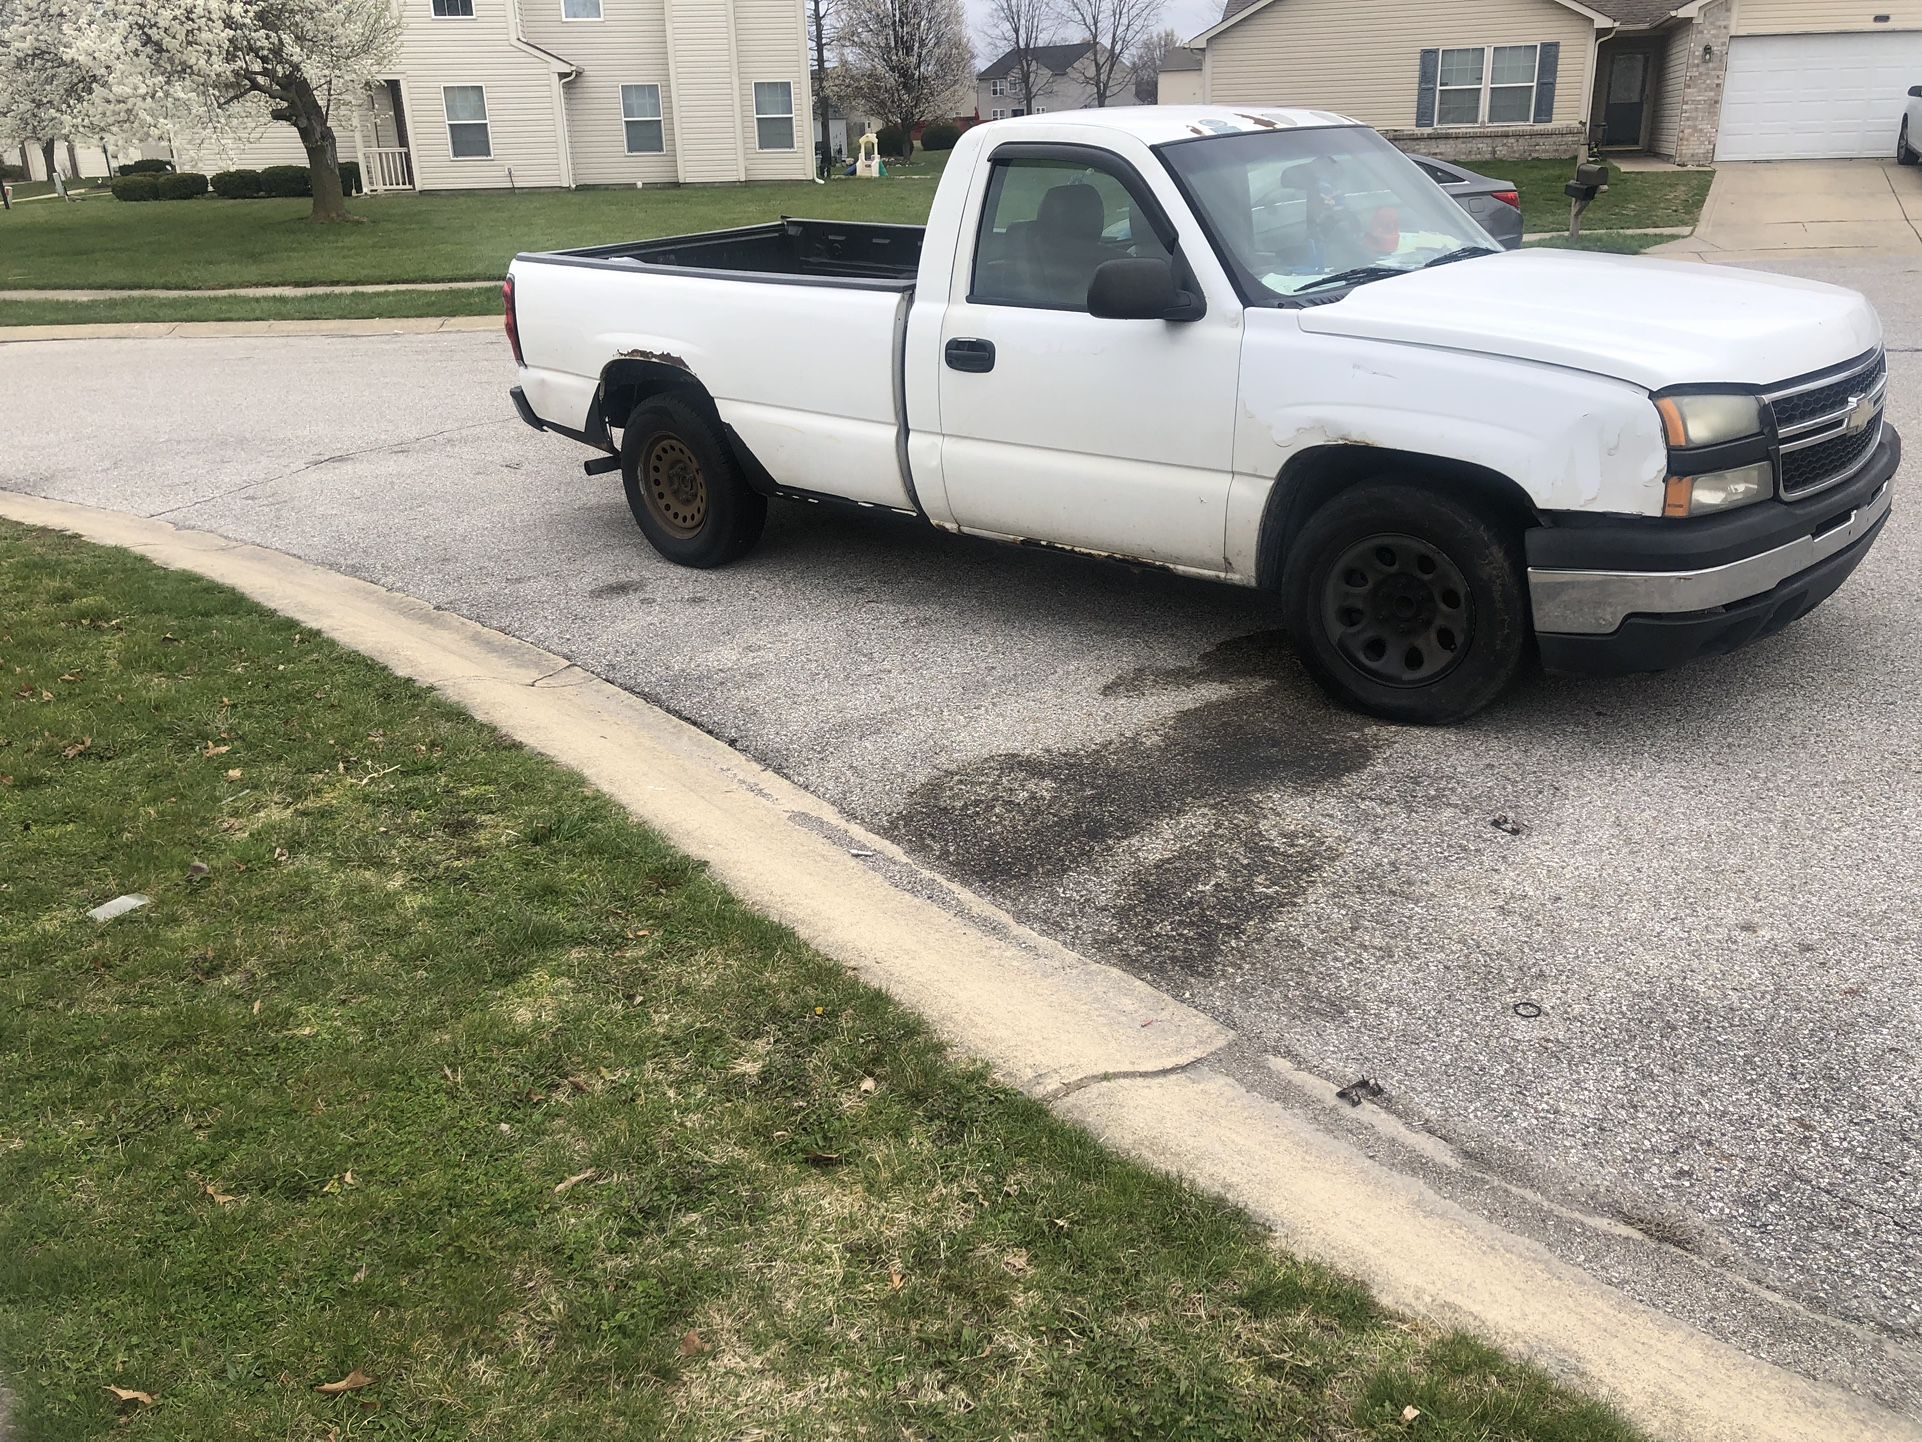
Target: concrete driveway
column 1770, row 210
column 1663, row 1018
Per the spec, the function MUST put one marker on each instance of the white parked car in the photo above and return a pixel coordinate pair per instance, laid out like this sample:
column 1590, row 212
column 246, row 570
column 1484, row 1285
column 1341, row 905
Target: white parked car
column 1296, row 365
column 1910, row 135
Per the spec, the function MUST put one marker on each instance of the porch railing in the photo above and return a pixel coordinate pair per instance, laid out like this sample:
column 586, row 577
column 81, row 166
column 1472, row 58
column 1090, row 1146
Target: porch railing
column 389, row 168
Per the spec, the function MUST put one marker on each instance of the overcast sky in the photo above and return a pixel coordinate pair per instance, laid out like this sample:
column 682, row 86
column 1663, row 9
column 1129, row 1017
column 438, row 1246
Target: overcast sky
column 1187, row 17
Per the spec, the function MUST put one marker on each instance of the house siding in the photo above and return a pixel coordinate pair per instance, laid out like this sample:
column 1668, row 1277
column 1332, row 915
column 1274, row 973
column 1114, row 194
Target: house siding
column 1807, row 17
column 770, row 44
column 1361, row 57
column 521, row 122
column 627, row 46
column 1668, row 92
column 706, row 91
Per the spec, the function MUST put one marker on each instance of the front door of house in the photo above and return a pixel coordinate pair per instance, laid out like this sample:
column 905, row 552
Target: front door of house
column 1627, row 98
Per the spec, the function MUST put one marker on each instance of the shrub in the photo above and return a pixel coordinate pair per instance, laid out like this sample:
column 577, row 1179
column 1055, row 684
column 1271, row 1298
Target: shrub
column 186, row 185
column 237, row 184
column 145, row 167
column 890, row 141
column 144, row 186
column 287, row 180
column 11, row 172
column 350, row 177
column 940, row 136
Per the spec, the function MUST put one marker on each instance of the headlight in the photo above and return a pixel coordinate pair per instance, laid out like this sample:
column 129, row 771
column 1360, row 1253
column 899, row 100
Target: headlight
column 1719, row 490
column 1709, row 419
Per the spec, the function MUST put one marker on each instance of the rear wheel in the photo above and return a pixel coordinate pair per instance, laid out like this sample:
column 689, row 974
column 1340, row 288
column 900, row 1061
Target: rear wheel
column 1905, row 154
column 684, row 486
column 1406, row 604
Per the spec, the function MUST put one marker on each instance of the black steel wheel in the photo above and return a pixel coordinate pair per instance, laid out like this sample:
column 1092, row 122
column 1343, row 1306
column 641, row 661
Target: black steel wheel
column 1408, row 603
column 1398, row 609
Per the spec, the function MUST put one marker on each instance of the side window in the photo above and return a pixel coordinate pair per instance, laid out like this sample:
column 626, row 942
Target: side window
column 1046, row 226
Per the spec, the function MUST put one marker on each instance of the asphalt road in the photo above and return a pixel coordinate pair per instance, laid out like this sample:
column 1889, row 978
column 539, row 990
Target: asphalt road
column 1708, row 888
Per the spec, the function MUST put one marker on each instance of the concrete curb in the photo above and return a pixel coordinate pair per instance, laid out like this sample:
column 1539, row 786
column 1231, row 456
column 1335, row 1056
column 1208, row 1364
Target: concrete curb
column 204, row 329
column 1124, row 1060
column 122, row 293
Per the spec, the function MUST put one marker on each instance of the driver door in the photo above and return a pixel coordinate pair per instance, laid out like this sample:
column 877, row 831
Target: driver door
column 1105, row 435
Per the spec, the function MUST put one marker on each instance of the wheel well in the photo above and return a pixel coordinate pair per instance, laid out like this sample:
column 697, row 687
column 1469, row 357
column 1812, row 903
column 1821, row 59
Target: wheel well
column 627, row 382
column 1317, row 475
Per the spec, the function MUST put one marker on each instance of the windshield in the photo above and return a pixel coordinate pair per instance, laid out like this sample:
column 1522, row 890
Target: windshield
column 1301, row 210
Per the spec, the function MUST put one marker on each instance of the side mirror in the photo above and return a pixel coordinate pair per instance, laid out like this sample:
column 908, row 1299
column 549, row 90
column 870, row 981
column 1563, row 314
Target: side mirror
column 1140, row 288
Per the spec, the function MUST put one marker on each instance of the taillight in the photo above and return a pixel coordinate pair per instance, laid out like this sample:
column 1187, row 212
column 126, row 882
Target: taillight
column 513, row 322
column 1506, row 197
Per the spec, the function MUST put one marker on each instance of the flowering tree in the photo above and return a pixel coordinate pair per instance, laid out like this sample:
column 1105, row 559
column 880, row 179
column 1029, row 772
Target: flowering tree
column 905, row 58
column 205, row 61
column 45, row 93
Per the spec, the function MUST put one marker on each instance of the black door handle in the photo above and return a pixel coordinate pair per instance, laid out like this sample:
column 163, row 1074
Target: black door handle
column 971, row 355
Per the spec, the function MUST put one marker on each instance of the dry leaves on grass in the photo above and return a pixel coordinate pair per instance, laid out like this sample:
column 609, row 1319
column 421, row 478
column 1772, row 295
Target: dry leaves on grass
column 352, row 1382
column 219, row 1197
column 213, row 750
column 573, row 1181
column 693, row 1344
column 128, row 1394
column 79, row 748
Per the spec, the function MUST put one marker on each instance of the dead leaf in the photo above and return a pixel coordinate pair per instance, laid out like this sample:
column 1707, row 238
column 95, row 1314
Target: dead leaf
column 361, row 1275
column 823, row 1159
column 170, row 637
column 127, row 1394
column 220, row 1198
column 352, row 1382
column 693, row 1344
column 280, row 853
column 1409, row 1414
column 895, row 1280
column 74, row 676
column 573, row 1181
column 233, row 773
column 576, row 1083
column 197, row 869
column 867, row 1083
column 79, row 748
column 213, row 750
column 256, row 1006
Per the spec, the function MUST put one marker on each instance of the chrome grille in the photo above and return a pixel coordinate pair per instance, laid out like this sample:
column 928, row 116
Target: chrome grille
column 1827, row 424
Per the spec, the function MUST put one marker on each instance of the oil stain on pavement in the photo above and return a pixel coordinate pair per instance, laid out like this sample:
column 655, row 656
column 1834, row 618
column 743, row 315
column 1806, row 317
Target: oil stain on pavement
column 1163, row 848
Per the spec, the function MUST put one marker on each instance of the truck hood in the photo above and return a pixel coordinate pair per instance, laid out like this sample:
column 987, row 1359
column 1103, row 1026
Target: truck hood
column 1651, row 322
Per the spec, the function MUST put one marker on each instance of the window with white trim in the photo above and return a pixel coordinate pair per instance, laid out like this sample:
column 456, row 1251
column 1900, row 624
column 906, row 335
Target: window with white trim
column 1487, row 85
column 466, row 109
column 997, row 87
column 997, row 114
column 641, row 115
column 580, row 9
column 453, row 9
column 773, row 115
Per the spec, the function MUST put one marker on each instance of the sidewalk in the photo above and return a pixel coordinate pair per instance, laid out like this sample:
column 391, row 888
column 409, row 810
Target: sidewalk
column 208, row 329
column 1805, row 209
column 249, row 290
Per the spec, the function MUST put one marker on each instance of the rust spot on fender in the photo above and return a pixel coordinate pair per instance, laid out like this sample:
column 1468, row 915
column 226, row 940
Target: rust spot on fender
column 659, row 357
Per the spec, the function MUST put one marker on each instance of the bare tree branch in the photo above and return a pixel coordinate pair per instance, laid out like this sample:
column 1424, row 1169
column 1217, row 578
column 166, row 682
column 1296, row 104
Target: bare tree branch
column 1018, row 28
column 1114, row 29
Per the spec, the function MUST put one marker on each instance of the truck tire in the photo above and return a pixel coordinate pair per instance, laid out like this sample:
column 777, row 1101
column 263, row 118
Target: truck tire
column 1905, row 153
column 1406, row 604
column 684, row 486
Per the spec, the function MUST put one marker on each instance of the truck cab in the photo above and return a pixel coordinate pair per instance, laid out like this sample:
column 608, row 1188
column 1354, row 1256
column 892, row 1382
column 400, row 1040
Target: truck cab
column 1261, row 347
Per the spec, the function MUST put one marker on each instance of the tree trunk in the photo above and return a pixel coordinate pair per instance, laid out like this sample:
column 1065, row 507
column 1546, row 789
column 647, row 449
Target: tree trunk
column 302, row 109
column 907, row 141
column 46, row 154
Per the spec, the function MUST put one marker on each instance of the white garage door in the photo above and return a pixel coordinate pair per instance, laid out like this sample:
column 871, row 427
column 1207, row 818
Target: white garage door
column 1816, row 97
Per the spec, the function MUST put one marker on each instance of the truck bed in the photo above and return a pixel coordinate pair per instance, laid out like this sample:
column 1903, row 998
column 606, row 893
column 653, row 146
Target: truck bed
column 788, row 251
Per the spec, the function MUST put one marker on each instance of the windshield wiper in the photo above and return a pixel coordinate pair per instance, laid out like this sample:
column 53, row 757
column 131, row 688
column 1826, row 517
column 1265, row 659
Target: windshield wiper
column 1467, row 252
column 1352, row 277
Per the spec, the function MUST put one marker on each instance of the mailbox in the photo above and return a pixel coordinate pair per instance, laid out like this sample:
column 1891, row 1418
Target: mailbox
column 1575, row 190
column 1588, row 183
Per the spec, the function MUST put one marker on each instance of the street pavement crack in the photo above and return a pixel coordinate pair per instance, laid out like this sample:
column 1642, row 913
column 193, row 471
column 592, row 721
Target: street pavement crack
column 1069, row 1088
column 325, row 461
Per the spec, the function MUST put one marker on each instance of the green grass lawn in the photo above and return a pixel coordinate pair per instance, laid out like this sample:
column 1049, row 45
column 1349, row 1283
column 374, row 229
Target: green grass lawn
column 467, row 300
column 1634, row 198
column 210, row 243
column 1606, row 241
column 427, row 1066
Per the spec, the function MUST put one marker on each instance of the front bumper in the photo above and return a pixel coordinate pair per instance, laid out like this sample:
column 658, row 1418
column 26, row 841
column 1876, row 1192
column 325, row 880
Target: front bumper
column 1636, row 594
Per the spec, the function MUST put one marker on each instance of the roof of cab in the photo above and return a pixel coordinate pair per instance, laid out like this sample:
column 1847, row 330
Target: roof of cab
column 1160, row 124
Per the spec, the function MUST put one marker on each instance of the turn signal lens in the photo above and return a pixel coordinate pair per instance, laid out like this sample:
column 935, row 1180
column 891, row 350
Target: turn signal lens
column 1508, row 197
column 1718, row 490
column 1709, row 419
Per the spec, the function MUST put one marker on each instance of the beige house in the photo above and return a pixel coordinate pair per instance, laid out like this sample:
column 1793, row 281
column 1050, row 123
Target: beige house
column 1061, row 82
column 1472, row 79
column 488, row 94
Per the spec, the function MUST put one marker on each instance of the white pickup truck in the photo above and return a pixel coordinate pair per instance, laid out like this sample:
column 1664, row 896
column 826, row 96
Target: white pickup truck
column 1261, row 347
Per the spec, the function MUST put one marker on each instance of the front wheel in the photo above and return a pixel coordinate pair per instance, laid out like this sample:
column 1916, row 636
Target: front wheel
column 1905, row 154
column 684, row 486
column 1406, row 604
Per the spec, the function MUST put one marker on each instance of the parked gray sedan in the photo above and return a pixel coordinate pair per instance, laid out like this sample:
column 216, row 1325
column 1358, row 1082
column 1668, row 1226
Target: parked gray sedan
column 1494, row 203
